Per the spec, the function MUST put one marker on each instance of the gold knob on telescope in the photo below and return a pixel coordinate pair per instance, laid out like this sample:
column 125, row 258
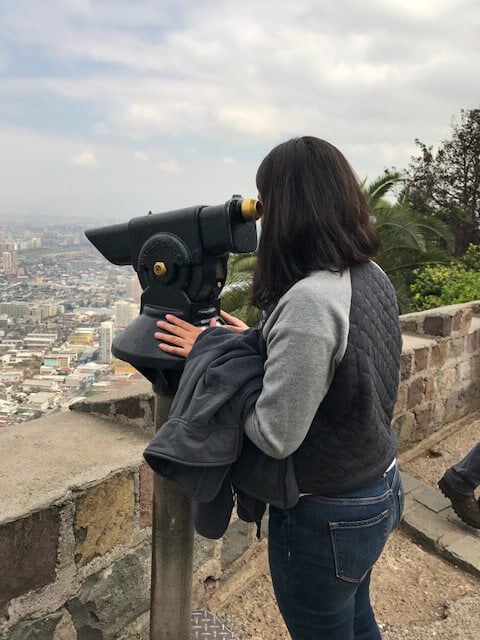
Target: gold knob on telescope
column 159, row 269
column 251, row 209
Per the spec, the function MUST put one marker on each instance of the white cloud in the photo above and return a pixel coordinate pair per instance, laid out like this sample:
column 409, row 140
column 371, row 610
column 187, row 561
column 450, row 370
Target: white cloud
column 154, row 81
column 84, row 159
column 169, row 166
column 141, row 156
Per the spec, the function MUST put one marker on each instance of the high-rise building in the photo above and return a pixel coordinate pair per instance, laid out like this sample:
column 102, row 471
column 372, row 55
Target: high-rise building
column 7, row 260
column 134, row 290
column 106, row 336
column 125, row 313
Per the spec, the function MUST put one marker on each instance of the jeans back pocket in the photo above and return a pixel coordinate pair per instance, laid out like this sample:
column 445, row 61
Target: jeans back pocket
column 357, row 545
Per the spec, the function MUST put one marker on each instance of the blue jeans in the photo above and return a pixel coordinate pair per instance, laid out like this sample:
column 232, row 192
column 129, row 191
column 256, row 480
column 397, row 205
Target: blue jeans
column 321, row 554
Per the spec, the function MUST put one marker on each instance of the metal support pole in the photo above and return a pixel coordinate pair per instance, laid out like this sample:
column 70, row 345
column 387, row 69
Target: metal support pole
column 172, row 553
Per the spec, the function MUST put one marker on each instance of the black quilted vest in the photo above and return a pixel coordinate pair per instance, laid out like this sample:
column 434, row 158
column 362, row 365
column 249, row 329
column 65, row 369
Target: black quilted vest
column 350, row 441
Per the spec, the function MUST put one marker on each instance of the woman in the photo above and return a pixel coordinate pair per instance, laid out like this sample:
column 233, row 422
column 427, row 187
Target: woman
column 331, row 376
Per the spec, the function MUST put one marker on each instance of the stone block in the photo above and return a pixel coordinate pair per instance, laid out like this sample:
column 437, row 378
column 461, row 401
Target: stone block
column 455, row 403
column 464, row 371
column 476, row 365
column 423, row 419
column 438, row 354
column 437, row 325
column 28, row 554
column 237, row 539
column 471, row 345
column 466, row 319
column 145, row 496
column 401, row 403
column 406, row 365
column 433, row 499
column 420, row 358
column 408, row 325
column 467, row 551
column 113, row 598
column 104, row 517
column 430, row 387
column 456, row 347
column 447, row 380
column 132, row 408
column 410, row 483
column 425, row 525
column 415, row 393
column 403, row 426
column 457, row 320
column 438, row 412
column 38, row 629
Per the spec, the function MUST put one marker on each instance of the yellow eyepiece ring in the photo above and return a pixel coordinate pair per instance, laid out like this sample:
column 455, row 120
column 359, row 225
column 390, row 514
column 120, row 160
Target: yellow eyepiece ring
column 251, row 209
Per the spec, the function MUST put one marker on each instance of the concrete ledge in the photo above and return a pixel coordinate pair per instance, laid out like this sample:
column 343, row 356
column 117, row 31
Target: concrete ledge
column 45, row 459
column 131, row 406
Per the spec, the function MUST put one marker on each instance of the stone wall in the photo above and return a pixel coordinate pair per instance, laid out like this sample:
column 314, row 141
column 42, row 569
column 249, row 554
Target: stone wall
column 440, row 370
column 75, row 494
column 75, row 525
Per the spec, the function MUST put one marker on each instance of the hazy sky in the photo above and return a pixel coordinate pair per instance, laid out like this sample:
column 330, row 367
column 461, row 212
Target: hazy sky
column 109, row 108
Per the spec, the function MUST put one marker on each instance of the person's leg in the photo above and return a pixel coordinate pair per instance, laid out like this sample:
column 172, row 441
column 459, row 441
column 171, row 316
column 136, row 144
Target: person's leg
column 365, row 626
column 321, row 553
column 314, row 603
column 458, row 484
column 464, row 476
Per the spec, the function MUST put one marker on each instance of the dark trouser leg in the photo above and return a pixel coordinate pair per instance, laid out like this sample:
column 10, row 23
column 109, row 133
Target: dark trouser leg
column 363, row 627
column 464, row 476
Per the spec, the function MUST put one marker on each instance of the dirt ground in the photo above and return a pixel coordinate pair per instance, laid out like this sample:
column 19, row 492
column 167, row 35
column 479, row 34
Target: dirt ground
column 409, row 586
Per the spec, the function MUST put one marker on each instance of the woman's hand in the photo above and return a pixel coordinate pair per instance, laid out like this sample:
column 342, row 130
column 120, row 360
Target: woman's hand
column 233, row 323
column 181, row 335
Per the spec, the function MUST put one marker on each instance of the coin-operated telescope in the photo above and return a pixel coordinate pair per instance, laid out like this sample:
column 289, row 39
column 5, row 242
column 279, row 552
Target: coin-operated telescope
column 181, row 261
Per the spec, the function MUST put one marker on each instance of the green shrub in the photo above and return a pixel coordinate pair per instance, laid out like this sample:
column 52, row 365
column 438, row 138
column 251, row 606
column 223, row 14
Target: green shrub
column 471, row 259
column 440, row 285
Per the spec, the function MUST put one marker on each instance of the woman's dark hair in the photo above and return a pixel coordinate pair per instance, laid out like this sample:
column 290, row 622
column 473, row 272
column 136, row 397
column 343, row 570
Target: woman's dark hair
column 315, row 216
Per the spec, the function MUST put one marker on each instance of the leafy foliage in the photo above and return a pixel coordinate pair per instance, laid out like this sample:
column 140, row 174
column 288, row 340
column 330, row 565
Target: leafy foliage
column 439, row 285
column 238, row 288
column 409, row 239
column 446, row 184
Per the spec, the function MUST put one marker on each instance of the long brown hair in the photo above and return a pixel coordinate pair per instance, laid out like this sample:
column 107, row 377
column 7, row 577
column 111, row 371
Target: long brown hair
column 315, row 216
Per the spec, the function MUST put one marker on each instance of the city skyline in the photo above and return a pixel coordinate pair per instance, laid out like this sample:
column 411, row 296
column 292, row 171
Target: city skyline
column 61, row 304
column 113, row 109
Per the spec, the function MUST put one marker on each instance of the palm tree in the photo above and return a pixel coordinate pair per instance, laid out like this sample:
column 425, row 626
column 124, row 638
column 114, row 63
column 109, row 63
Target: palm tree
column 409, row 240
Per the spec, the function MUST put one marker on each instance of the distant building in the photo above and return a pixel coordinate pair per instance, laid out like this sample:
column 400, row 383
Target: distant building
column 7, row 260
column 42, row 340
column 105, row 344
column 125, row 313
column 134, row 290
column 17, row 310
column 41, row 401
column 81, row 335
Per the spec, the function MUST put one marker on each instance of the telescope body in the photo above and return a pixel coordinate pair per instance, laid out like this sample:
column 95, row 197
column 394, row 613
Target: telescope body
column 180, row 258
